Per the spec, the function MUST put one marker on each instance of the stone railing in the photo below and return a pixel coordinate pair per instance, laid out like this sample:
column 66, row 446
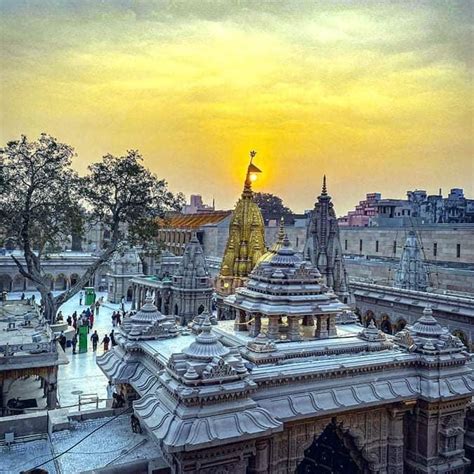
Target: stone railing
column 8, row 350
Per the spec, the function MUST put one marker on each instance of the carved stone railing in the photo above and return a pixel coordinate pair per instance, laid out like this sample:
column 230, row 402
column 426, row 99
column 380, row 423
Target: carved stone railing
column 8, row 350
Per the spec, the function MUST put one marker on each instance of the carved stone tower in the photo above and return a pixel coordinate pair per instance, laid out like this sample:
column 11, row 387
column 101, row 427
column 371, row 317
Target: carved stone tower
column 246, row 242
column 323, row 246
column 411, row 272
column 192, row 284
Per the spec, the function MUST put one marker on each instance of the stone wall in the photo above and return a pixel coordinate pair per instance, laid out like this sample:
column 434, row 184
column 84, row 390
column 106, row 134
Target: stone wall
column 447, row 237
column 383, row 272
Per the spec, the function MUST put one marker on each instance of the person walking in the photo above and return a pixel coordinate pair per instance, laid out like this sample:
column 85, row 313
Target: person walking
column 97, row 307
column 106, row 342
column 122, row 301
column 62, row 341
column 91, row 320
column 114, row 319
column 69, row 320
column 110, row 390
column 74, row 343
column 112, row 338
column 95, row 340
column 81, row 295
column 22, row 296
column 74, row 320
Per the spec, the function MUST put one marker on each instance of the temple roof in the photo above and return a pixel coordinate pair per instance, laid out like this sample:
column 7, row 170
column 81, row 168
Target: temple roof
column 283, row 283
column 193, row 221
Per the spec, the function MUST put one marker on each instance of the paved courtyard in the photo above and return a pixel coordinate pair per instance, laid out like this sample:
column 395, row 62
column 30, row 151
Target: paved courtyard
column 82, row 375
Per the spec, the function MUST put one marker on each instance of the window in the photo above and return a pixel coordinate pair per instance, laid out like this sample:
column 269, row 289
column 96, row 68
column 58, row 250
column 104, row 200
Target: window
column 394, row 247
column 376, row 245
column 458, row 250
column 360, row 245
column 435, row 249
column 345, row 244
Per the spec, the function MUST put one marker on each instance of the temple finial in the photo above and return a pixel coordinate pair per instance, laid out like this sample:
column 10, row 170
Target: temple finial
column 281, row 230
column 251, row 175
column 324, row 191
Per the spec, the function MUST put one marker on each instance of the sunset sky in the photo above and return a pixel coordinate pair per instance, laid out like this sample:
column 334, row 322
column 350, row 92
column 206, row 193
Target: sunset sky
column 377, row 95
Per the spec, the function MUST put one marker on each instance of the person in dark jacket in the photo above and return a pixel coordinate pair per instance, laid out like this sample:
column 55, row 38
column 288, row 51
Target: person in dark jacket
column 106, row 342
column 95, row 340
column 112, row 338
column 62, row 341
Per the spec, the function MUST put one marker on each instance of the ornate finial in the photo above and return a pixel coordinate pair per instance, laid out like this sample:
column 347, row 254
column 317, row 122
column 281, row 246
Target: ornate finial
column 324, row 191
column 281, row 230
column 251, row 175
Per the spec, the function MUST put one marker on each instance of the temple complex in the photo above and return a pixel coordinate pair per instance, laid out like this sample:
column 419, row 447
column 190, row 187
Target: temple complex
column 278, row 394
column 323, row 246
column 411, row 272
column 246, row 240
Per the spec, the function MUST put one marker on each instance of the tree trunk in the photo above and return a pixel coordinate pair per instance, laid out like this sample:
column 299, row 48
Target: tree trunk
column 50, row 306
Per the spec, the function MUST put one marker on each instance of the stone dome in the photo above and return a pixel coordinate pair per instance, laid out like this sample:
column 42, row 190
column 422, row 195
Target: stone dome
column 427, row 326
column 206, row 345
column 148, row 313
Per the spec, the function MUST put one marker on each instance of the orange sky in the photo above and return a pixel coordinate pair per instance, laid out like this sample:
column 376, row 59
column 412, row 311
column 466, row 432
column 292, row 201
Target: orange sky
column 379, row 96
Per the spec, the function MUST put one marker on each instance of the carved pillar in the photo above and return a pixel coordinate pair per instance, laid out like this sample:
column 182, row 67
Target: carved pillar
column 134, row 296
column 332, row 331
column 240, row 321
column 321, row 326
column 395, row 441
column 256, row 326
column 273, row 327
column 294, row 328
column 260, row 462
column 51, row 395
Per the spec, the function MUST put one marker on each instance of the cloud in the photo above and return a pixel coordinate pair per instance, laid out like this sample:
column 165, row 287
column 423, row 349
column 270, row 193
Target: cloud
column 353, row 89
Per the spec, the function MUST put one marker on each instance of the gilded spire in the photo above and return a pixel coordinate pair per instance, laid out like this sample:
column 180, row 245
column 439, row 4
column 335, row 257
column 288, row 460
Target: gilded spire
column 246, row 242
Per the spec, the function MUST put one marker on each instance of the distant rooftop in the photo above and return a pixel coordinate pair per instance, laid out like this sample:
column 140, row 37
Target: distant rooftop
column 194, row 221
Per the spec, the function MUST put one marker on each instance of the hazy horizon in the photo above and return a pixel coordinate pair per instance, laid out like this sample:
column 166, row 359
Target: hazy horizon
column 376, row 95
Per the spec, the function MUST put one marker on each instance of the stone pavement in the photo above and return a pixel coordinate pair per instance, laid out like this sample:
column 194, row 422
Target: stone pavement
column 82, row 375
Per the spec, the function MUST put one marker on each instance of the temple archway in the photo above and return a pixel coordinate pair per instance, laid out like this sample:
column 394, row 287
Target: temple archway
column 463, row 336
column 74, row 279
column 333, row 452
column 49, row 281
column 5, row 283
column 369, row 316
column 61, row 282
column 18, row 283
column 386, row 325
column 401, row 323
column 176, row 310
column 129, row 293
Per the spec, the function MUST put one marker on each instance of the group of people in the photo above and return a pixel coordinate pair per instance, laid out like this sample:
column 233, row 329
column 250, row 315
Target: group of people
column 87, row 318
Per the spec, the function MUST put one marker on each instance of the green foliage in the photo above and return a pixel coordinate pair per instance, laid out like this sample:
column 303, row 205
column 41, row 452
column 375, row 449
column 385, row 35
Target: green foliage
column 43, row 200
column 272, row 206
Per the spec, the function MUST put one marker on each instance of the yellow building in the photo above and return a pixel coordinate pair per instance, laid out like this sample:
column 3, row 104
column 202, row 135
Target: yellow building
column 246, row 242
